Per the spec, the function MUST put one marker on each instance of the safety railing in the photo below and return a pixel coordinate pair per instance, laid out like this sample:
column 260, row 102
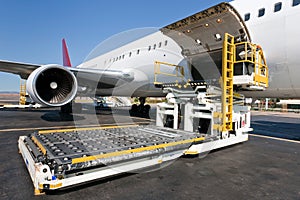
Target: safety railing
column 178, row 72
column 253, row 55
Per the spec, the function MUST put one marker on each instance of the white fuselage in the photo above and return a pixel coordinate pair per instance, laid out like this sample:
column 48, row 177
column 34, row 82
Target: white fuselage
column 277, row 33
column 137, row 58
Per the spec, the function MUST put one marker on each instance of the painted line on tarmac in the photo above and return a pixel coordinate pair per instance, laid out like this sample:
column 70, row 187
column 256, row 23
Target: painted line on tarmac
column 64, row 127
column 275, row 138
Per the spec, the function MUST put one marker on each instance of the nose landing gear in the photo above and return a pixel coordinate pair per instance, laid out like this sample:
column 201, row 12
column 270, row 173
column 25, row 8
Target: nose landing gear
column 140, row 110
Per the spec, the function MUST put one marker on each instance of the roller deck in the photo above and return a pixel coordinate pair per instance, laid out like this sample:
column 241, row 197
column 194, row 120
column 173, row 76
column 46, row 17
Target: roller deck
column 57, row 159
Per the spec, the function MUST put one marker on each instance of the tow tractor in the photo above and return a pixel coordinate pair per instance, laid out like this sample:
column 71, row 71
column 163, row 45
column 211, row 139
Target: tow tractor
column 197, row 117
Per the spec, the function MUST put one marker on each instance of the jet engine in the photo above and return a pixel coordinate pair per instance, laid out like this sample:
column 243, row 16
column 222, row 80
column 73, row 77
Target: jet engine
column 52, row 85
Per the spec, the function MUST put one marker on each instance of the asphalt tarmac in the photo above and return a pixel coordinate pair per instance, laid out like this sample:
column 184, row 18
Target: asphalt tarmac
column 262, row 168
column 276, row 124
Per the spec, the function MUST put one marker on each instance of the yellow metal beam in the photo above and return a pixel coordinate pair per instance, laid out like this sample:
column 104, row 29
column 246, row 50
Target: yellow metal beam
column 228, row 59
column 137, row 150
column 42, row 148
column 191, row 152
column 84, row 129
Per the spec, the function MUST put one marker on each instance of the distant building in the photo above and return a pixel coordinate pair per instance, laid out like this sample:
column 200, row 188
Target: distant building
column 290, row 104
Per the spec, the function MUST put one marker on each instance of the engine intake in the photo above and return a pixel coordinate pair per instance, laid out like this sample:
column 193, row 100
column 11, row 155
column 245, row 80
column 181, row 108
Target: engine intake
column 52, row 85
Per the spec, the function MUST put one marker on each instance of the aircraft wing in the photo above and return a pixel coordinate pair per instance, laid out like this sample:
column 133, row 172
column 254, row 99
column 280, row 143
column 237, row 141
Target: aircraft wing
column 21, row 69
column 85, row 77
column 101, row 78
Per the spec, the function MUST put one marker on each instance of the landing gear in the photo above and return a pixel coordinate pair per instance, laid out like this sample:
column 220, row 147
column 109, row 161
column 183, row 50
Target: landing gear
column 141, row 110
column 71, row 107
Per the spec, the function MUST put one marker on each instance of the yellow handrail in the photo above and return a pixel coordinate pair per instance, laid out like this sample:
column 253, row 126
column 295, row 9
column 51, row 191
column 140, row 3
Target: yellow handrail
column 254, row 55
column 179, row 71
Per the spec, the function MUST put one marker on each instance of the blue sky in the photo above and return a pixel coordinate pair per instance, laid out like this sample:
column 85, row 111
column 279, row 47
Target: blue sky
column 31, row 30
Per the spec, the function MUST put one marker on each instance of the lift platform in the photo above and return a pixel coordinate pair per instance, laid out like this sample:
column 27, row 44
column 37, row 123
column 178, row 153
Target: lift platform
column 211, row 110
column 59, row 159
column 198, row 117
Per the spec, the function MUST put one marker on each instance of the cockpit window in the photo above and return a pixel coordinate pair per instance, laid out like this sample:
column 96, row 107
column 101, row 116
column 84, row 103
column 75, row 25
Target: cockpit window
column 247, row 17
column 261, row 12
column 296, row 2
column 277, row 7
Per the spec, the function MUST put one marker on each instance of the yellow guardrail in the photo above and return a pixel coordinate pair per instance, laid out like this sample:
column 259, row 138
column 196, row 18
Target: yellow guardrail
column 179, row 71
column 254, row 55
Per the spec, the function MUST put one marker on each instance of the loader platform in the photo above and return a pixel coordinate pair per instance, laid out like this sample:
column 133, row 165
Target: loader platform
column 57, row 159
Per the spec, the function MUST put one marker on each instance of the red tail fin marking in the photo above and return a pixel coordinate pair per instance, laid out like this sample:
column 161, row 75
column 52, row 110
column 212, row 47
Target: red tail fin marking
column 66, row 58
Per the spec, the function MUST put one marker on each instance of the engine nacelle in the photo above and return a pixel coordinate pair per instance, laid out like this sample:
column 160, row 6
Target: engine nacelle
column 52, row 85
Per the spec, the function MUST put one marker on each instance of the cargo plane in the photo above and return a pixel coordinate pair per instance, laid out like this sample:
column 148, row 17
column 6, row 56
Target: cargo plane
column 124, row 64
